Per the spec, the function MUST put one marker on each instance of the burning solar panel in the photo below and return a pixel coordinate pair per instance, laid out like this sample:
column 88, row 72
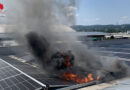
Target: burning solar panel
column 61, row 63
column 52, row 82
column 60, row 81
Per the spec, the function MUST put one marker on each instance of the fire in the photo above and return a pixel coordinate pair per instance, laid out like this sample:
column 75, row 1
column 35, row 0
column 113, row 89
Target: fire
column 68, row 64
column 73, row 77
column 90, row 77
column 70, row 76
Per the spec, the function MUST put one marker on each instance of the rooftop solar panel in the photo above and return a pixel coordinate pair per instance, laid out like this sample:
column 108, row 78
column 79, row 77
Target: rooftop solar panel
column 12, row 78
column 50, row 81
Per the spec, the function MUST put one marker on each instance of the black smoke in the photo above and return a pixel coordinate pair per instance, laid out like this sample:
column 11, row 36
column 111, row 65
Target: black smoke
column 38, row 45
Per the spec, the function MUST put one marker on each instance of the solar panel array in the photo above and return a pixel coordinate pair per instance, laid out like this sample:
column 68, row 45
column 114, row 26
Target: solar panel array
column 12, row 79
column 38, row 74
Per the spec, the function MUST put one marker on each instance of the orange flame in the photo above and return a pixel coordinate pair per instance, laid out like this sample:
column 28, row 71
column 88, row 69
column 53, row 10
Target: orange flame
column 90, row 77
column 73, row 77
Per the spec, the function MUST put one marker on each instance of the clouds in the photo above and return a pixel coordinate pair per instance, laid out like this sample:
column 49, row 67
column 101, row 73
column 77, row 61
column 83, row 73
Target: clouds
column 70, row 10
column 124, row 20
column 124, row 17
column 77, row 15
column 104, row 20
column 97, row 19
column 90, row 21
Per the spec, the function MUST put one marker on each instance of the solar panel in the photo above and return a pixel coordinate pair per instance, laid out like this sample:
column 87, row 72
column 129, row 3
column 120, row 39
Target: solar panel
column 51, row 82
column 12, row 78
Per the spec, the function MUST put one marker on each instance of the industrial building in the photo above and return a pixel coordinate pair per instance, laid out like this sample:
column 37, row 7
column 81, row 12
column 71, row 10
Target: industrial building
column 90, row 35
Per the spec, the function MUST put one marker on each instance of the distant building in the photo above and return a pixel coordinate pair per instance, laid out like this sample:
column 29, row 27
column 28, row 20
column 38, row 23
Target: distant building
column 128, row 31
column 91, row 35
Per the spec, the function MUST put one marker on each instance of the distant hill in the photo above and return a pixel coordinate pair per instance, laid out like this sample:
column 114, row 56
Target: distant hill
column 102, row 28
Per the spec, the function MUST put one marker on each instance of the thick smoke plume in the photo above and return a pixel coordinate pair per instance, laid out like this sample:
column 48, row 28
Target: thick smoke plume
column 44, row 26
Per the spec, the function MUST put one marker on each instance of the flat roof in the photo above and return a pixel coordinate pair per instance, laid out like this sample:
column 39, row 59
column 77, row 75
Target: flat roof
column 121, row 84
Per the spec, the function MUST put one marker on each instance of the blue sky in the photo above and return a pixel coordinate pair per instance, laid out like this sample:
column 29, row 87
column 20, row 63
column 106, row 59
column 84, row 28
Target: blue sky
column 92, row 12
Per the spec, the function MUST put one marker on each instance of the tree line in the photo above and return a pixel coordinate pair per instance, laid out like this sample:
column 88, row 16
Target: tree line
column 102, row 28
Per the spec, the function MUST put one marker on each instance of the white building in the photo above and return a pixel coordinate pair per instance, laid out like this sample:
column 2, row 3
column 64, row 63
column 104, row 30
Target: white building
column 128, row 31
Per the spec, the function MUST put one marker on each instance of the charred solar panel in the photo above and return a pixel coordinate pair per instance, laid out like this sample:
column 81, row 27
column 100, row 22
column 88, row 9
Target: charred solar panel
column 13, row 79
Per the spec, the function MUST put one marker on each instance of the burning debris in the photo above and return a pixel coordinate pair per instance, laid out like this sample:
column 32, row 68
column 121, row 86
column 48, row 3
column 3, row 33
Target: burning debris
column 64, row 60
column 62, row 63
column 67, row 63
column 59, row 61
column 73, row 77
